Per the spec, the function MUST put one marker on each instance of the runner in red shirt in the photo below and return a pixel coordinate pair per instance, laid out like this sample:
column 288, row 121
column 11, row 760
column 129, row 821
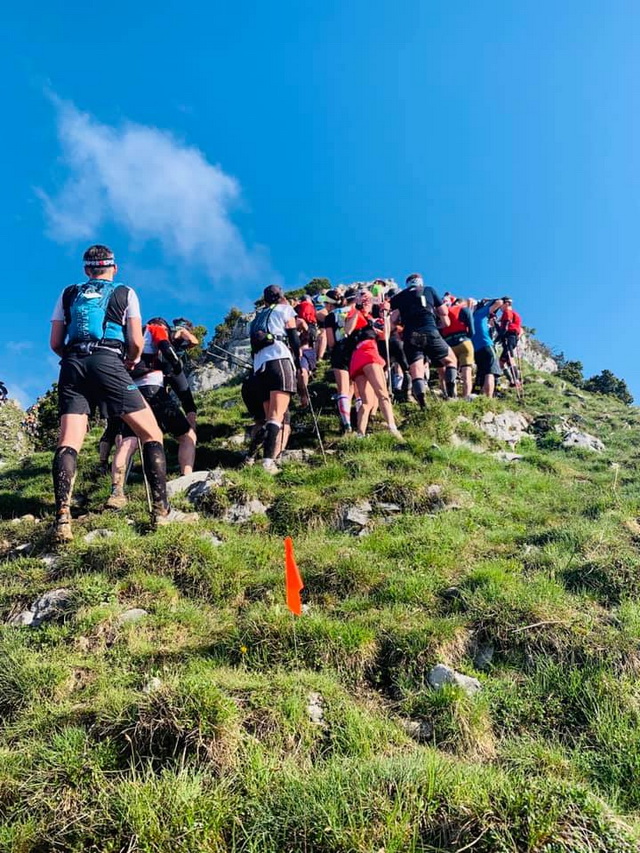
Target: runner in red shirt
column 366, row 366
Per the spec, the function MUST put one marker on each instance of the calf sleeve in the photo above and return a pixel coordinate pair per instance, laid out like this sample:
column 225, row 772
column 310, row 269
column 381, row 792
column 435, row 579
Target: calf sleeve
column 344, row 408
column 418, row 387
column 450, row 376
column 63, row 469
column 155, row 468
column 257, row 441
column 272, row 428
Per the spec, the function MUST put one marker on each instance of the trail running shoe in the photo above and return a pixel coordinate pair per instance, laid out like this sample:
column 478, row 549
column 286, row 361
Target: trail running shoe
column 117, row 499
column 175, row 516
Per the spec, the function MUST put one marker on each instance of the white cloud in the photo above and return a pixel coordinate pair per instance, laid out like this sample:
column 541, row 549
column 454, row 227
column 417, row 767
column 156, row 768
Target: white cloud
column 155, row 187
column 18, row 347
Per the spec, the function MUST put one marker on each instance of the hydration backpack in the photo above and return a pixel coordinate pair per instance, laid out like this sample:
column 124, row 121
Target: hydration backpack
column 259, row 333
column 90, row 312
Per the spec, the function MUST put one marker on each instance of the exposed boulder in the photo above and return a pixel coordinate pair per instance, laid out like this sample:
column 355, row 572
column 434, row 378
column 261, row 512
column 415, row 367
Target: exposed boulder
column 95, row 535
column 50, row 607
column 441, row 675
column 134, row 614
column 315, row 708
column 584, row 440
column 507, row 426
column 14, row 442
column 356, row 518
column 207, row 377
column 195, row 485
column 537, row 355
column 240, row 512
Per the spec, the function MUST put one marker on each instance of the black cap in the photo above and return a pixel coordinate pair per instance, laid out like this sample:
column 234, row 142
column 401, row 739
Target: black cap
column 272, row 294
column 350, row 294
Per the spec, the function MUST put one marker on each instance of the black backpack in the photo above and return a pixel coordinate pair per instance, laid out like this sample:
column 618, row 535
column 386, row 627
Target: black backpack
column 259, row 333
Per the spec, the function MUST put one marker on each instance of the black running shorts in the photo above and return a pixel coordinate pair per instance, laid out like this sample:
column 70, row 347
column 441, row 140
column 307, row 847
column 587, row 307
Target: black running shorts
column 277, row 375
column 424, row 344
column 168, row 413
column 97, row 379
column 341, row 355
column 253, row 397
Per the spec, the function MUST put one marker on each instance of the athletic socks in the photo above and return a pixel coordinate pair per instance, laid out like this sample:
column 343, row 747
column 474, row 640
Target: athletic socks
column 450, row 376
column 63, row 469
column 344, row 409
column 155, row 468
column 272, row 428
column 418, row 387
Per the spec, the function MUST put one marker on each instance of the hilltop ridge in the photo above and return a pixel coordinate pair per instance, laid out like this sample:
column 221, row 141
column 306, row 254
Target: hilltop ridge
column 464, row 674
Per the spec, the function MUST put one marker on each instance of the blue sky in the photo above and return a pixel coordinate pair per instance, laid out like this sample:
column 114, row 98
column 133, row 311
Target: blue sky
column 217, row 147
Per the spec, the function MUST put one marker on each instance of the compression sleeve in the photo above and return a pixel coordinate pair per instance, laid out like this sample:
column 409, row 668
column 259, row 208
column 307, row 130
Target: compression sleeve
column 294, row 343
column 170, row 355
column 180, row 385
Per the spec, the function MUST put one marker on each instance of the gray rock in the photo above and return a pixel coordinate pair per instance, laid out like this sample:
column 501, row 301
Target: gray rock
column 420, row 730
column 212, row 539
column 22, row 550
column 388, row 508
column 575, row 438
column 208, row 377
column 153, row 685
column 101, row 533
column 241, row 512
column 532, row 352
column 50, row 560
column 505, row 426
column 49, row 607
column 195, row 485
column 134, row 614
column 504, row 456
column 24, row 518
column 229, row 404
column 237, row 440
column 356, row 516
column 300, row 454
column 441, row 675
column 315, row 708
column 484, row 655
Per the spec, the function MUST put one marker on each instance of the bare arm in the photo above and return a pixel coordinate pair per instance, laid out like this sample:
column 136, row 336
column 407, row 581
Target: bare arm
column 183, row 334
column 134, row 339
column 442, row 312
column 58, row 334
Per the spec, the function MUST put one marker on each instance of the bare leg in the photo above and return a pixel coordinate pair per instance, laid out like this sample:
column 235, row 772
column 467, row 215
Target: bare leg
column 365, row 392
column 467, row 380
column 489, row 385
column 376, row 379
column 187, row 451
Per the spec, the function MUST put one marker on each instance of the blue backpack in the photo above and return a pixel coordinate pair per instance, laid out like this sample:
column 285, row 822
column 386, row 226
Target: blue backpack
column 90, row 312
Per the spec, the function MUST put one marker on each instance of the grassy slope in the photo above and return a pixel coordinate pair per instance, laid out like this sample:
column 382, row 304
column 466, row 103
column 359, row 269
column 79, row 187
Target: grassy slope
column 222, row 754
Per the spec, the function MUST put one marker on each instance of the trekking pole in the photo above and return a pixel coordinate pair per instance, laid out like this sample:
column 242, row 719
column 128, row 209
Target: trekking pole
column 520, row 370
column 514, row 377
column 315, row 422
column 236, row 358
column 144, row 477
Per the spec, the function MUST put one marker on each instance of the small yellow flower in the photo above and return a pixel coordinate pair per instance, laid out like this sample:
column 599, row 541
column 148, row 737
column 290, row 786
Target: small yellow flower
column 243, row 650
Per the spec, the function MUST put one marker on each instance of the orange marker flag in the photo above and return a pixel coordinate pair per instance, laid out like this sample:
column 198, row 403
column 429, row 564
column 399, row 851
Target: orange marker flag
column 293, row 581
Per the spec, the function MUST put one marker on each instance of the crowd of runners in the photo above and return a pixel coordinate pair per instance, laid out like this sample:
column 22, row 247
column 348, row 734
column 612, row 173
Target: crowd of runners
column 379, row 341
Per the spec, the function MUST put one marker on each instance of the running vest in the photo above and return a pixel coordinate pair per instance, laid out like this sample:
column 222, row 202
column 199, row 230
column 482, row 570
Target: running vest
column 341, row 315
column 456, row 326
column 95, row 311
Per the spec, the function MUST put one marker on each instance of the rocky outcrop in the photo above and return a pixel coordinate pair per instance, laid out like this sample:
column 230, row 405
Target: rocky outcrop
column 505, row 426
column 14, row 443
column 536, row 355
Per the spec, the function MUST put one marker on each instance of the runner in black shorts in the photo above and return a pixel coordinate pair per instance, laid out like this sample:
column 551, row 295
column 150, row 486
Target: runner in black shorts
column 96, row 330
column 276, row 357
column 416, row 309
column 254, row 397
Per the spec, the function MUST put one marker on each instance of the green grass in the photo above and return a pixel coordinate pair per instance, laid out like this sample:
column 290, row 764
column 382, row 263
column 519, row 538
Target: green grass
column 190, row 729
